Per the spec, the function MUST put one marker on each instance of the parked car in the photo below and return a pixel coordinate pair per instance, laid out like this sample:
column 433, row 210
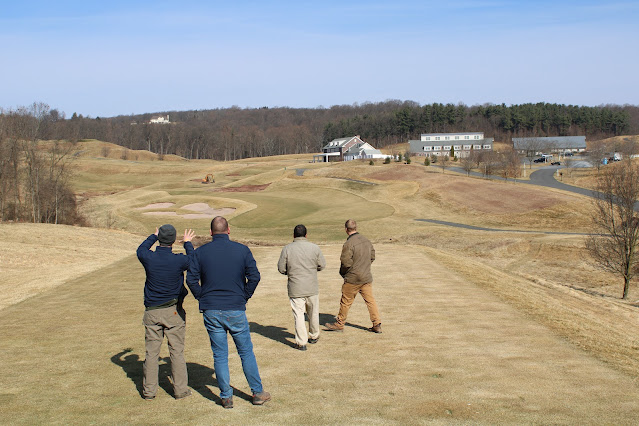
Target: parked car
column 556, row 163
column 568, row 154
column 539, row 160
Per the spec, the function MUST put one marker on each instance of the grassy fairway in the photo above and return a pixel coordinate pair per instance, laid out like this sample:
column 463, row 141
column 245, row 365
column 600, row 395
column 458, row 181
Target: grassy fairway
column 479, row 327
column 449, row 352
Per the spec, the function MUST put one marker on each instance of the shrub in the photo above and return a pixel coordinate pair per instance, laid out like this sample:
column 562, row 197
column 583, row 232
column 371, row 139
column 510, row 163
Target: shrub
column 371, row 163
column 387, row 160
column 426, row 162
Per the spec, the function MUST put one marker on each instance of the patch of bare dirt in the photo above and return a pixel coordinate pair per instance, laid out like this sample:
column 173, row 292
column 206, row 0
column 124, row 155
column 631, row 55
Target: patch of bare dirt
column 243, row 188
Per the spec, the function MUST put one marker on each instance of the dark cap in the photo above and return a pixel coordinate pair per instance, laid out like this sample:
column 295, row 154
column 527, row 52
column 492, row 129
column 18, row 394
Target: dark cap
column 166, row 235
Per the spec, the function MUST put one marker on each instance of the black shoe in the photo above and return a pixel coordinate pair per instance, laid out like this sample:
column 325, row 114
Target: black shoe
column 300, row 347
column 149, row 397
column 313, row 341
column 227, row 402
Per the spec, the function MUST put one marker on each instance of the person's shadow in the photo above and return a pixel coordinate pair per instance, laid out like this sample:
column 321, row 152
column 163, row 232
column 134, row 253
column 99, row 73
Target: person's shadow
column 280, row 334
column 200, row 376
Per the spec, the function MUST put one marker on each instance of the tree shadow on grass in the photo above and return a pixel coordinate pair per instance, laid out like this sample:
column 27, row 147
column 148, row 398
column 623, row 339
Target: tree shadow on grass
column 200, row 376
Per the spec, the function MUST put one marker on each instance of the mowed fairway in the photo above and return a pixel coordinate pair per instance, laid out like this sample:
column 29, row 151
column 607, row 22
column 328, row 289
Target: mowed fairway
column 480, row 327
column 450, row 352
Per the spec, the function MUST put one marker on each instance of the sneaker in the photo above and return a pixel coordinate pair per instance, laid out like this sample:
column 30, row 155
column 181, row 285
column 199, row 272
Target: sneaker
column 333, row 326
column 149, row 397
column 376, row 328
column 261, row 398
column 313, row 341
column 300, row 347
column 184, row 395
column 227, row 402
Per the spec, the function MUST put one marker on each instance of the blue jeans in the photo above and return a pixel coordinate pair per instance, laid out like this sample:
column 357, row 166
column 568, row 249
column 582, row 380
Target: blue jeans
column 217, row 324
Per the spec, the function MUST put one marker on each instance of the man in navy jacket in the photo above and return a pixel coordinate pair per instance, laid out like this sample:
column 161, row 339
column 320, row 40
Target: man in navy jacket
column 223, row 276
column 164, row 315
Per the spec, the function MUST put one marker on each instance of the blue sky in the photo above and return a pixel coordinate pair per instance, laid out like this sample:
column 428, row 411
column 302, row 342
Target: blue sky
column 129, row 57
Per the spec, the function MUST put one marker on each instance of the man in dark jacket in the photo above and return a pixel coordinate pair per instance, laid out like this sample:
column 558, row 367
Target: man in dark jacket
column 223, row 276
column 357, row 256
column 164, row 316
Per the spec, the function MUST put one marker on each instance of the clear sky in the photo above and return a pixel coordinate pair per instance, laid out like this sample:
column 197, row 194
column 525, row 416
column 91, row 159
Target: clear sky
column 129, row 57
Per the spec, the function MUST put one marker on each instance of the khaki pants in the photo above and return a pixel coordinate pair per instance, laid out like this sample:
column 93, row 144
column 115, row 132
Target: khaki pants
column 310, row 305
column 169, row 322
column 349, row 291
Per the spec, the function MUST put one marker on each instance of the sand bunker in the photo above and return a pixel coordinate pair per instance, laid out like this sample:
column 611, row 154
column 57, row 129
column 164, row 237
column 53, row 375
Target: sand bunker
column 156, row 206
column 204, row 211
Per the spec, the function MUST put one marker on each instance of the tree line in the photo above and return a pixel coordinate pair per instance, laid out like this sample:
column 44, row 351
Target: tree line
column 235, row 133
column 34, row 176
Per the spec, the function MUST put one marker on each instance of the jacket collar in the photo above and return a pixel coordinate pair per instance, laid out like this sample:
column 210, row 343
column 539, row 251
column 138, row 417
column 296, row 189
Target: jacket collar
column 299, row 239
column 353, row 234
column 164, row 249
column 220, row 237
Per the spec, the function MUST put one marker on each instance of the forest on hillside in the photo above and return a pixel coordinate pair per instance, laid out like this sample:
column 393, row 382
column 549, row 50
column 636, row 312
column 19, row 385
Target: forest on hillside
column 235, row 133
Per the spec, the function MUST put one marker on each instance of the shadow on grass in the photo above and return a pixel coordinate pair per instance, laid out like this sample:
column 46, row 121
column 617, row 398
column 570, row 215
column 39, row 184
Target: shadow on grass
column 200, row 376
column 326, row 318
column 279, row 334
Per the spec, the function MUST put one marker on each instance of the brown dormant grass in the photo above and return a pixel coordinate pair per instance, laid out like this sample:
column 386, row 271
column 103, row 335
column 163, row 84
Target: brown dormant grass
column 451, row 351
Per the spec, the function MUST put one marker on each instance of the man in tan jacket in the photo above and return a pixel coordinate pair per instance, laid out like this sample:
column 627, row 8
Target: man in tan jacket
column 300, row 261
column 357, row 256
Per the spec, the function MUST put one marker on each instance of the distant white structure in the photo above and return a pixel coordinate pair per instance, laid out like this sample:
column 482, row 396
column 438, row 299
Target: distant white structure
column 439, row 144
column 347, row 149
column 160, row 120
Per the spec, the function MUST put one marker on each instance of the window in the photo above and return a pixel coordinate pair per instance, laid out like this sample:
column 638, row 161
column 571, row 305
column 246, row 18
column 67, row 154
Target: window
column 428, row 148
column 477, row 146
column 466, row 137
column 427, row 138
column 447, row 148
column 447, row 138
column 476, row 136
column 467, row 147
column 456, row 138
column 437, row 148
column 487, row 147
column 457, row 147
column 436, row 138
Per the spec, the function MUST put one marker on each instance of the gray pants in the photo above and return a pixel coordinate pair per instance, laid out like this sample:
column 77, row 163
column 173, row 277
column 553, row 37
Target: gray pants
column 169, row 322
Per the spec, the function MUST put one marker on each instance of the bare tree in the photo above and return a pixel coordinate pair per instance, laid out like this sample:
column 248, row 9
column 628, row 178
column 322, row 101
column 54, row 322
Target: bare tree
column 615, row 235
column 468, row 164
column 597, row 153
column 443, row 162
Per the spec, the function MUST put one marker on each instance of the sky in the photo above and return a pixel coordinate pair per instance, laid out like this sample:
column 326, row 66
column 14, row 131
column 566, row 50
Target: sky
column 103, row 59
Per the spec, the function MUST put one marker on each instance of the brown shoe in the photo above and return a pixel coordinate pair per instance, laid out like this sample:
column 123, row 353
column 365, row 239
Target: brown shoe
column 376, row 328
column 261, row 398
column 333, row 326
column 227, row 402
column 184, row 395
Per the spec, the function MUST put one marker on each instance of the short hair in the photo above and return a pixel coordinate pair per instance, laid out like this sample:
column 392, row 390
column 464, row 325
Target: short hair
column 219, row 225
column 299, row 231
column 351, row 225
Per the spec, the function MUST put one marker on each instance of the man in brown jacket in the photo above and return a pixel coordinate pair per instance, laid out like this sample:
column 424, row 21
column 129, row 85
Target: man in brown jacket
column 357, row 256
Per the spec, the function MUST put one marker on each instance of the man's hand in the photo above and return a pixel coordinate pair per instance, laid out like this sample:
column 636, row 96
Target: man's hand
column 188, row 235
column 157, row 231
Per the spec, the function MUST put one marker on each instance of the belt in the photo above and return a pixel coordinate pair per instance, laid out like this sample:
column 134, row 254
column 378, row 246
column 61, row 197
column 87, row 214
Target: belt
column 168, row 304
